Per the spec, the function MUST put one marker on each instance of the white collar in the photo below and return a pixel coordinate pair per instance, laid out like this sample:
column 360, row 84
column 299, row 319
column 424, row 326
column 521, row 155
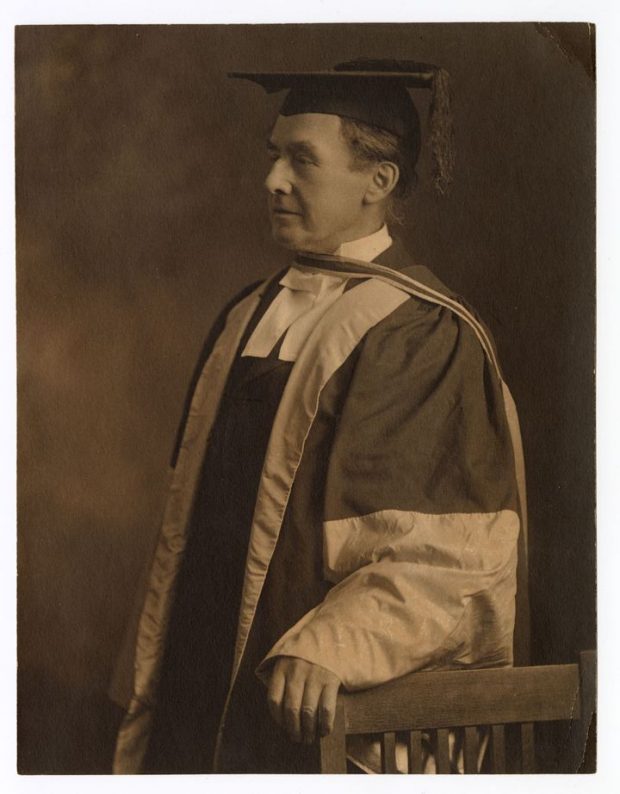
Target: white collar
column 366, row 248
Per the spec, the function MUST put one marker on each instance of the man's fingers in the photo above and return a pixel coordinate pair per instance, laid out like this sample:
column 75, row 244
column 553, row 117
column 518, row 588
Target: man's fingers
column 275, row 693
column 291, row 704
column 309, row 711
column 327, row 708
column 291, row 712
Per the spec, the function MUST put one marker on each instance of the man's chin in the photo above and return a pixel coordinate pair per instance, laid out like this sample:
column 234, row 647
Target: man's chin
column 288, row 240
column 296, row 242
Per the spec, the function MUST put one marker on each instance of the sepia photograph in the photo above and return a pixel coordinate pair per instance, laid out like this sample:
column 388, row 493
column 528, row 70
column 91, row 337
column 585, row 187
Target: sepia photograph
column 306, row 398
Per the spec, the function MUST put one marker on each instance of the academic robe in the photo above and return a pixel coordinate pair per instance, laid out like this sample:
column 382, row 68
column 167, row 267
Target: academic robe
column 359, row 509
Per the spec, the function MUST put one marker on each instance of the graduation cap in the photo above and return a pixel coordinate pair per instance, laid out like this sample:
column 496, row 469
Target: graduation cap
column 374, row 92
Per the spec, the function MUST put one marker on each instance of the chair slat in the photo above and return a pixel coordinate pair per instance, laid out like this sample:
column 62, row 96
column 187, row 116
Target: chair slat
column 498, row 749
column 414, row 752
column 528, row 756
column 442, row 756
column 388, row 753
column 470, row 750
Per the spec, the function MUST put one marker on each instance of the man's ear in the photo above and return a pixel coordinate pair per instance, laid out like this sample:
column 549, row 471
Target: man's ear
column 383, row 181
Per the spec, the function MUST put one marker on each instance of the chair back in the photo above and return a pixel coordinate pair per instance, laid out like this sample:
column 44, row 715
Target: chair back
column 487, row 704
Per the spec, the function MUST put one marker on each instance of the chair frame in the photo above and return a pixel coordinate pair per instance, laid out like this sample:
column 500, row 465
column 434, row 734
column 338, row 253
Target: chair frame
column 440, row 701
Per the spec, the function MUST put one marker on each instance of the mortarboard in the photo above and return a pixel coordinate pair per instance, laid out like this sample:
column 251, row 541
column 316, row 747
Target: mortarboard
column 374, row 92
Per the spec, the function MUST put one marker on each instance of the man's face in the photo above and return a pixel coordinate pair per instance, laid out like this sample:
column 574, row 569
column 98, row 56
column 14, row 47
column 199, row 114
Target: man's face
column 316, row 200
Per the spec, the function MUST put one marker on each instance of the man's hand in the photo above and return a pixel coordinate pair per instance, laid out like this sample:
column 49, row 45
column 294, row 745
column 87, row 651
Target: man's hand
column 302, row 698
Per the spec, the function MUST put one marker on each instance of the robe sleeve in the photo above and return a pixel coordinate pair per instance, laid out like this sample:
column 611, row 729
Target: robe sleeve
column 421, row 510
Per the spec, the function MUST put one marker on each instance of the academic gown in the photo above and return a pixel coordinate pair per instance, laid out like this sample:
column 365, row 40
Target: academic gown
column 395, row 548
column 198, row 659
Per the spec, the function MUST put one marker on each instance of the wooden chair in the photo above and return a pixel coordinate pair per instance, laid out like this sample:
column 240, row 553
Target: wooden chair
column 439, row 702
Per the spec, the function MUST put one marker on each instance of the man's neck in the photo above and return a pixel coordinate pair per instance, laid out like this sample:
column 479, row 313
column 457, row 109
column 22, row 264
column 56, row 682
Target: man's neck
column 366, row 248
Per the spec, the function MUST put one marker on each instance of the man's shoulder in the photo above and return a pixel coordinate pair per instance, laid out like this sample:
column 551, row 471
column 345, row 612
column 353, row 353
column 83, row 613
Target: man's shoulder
column 398, row 258
column 433, row 308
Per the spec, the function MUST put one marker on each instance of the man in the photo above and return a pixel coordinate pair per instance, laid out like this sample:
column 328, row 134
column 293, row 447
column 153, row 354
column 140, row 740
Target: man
column 344, row 505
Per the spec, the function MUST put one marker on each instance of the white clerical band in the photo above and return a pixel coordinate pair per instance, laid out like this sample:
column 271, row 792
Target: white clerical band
column 296, row 310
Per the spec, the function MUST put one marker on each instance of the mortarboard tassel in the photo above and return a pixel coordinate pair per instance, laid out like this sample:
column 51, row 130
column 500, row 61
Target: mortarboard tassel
column 442, row 132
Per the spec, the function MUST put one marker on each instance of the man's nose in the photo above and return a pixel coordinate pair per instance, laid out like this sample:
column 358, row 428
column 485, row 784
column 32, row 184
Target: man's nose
column 279, row 179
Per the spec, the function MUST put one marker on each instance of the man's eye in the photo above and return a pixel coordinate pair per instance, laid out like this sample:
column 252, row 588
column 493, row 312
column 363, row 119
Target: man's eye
column 303, row 160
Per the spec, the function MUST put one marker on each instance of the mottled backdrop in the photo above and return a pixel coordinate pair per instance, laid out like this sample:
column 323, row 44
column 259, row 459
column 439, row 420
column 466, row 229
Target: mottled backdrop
column 140, row 211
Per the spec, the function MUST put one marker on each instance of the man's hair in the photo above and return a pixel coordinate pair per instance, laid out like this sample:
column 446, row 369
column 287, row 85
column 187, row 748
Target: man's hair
column 369, row 144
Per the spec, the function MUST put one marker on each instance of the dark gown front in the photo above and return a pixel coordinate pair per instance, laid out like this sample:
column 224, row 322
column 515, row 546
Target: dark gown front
column 199, row 653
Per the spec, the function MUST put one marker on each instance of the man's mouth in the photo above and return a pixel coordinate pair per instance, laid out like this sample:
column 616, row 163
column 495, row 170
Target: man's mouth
column 283, row 211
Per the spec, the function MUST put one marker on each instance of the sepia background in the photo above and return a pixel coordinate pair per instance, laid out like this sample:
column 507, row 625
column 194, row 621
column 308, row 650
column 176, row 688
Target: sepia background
column 140, row 212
